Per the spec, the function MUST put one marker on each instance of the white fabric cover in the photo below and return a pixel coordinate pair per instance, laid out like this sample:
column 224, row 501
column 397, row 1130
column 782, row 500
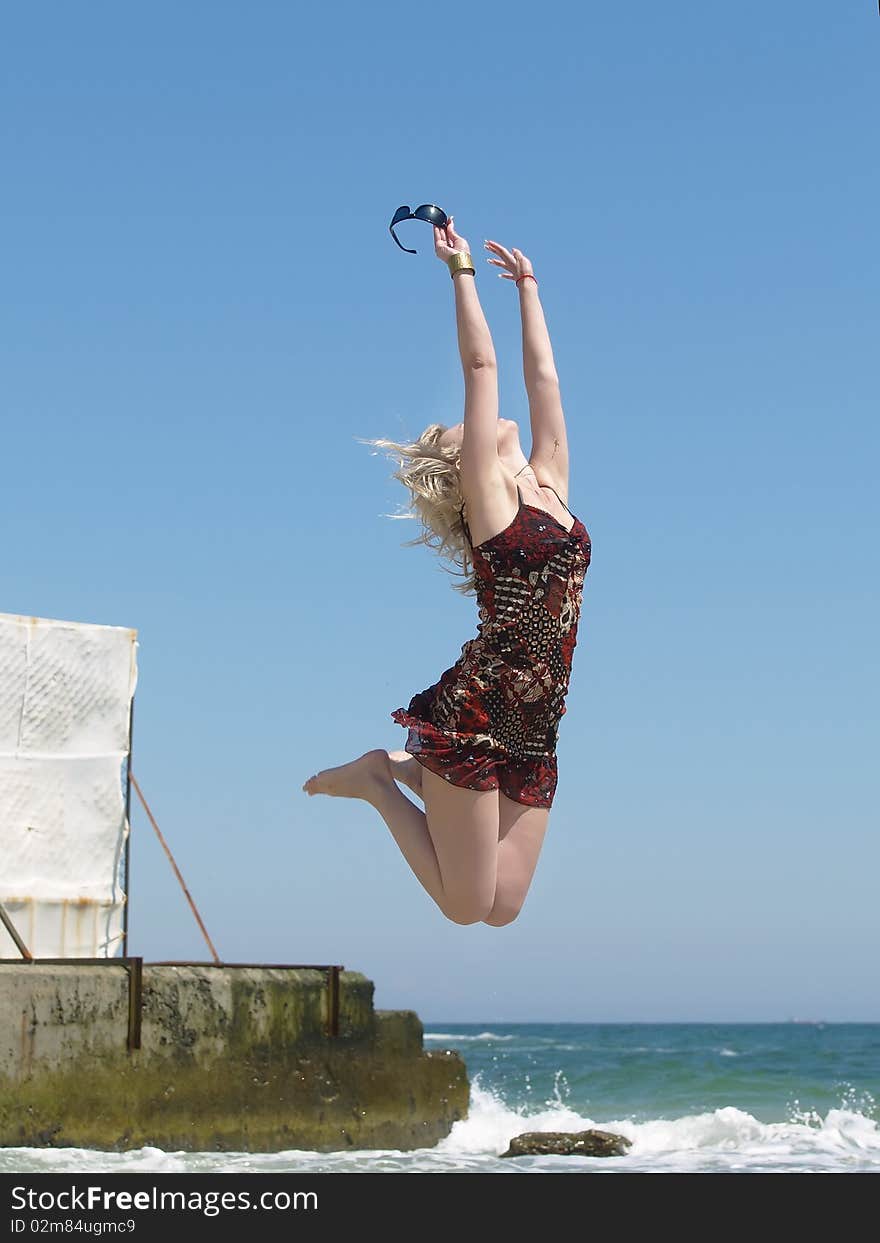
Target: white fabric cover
column 65, row 698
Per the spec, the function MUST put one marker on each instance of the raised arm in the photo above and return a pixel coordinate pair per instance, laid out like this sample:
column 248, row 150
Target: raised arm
column 549, row 455
column 480, row 467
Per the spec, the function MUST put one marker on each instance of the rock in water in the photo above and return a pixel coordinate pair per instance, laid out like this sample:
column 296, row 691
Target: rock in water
column 568, row 1144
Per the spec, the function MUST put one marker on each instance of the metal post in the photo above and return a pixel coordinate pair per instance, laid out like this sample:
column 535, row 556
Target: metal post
column 126, row 868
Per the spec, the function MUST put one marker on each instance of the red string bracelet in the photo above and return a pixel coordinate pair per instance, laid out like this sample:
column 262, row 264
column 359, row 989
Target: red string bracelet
column 523, row 277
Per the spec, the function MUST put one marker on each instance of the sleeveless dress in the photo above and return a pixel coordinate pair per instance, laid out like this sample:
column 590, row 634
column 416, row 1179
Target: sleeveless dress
column 491, row 721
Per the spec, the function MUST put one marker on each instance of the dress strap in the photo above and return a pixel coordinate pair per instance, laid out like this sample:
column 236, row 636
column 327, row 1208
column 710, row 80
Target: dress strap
column 467, row 529
column 556, row 494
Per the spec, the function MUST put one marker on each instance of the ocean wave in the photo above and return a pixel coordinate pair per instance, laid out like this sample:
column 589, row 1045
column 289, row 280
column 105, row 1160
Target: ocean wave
column 721, row 1138
column 459, row 1036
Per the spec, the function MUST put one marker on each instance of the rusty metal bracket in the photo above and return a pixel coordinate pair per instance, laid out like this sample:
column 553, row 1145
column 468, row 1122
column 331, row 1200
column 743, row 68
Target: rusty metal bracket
column 174, row 868
column 13, row 932
column 135, row 968
column 333, row 1001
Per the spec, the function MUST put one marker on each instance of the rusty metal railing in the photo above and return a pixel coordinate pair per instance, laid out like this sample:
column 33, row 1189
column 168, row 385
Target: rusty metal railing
column 332, row 981
column 135, row 968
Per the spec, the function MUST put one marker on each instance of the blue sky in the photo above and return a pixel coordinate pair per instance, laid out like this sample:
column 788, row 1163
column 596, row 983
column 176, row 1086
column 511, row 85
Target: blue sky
column 202, row 311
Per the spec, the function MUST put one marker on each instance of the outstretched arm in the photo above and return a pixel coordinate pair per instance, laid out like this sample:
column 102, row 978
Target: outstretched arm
column 479, row 447
column 549, row 455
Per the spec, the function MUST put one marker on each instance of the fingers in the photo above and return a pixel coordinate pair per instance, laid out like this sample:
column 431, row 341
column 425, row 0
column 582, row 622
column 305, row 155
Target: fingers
column 508, row 264
column 500, row 250
column 508, row 276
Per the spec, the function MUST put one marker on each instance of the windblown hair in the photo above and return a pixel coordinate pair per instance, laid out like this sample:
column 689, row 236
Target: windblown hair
column 431, row 473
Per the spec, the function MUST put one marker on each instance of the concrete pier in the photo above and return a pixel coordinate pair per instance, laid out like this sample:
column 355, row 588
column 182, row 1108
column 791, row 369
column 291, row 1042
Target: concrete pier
column 230, row 1059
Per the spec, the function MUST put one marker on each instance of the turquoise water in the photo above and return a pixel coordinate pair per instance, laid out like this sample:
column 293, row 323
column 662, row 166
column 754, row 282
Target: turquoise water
column 797, row 1097
column 643, row 1071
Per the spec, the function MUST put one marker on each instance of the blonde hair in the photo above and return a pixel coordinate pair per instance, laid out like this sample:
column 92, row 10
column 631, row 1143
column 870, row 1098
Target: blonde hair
column 431, row 473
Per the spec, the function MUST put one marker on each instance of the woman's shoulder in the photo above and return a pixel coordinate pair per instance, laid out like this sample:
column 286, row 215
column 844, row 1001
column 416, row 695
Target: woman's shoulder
column 486, row 487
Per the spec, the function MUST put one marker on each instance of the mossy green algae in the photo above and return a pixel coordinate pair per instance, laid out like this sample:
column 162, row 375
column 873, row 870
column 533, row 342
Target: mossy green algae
column 231, row 1059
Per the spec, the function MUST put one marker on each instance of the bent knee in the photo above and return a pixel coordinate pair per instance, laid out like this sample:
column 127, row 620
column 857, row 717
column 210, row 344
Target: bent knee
column 467, row 911
column 501, row 915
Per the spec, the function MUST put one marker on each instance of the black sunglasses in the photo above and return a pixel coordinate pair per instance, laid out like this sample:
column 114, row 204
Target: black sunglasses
column 427, row 211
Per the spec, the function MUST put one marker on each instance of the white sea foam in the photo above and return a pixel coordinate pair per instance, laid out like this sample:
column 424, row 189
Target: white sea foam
column 85, row 1160
column 726, row 1138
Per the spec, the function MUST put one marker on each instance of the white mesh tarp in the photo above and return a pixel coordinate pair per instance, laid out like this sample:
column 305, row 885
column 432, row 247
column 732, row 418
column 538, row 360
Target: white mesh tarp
column 65, row 701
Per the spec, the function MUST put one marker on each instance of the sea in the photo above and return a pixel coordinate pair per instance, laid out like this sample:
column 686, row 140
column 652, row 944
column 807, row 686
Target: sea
column 794, row 1097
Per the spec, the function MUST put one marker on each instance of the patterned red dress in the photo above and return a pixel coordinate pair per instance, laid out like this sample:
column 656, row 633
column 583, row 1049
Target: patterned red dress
column 492, row 719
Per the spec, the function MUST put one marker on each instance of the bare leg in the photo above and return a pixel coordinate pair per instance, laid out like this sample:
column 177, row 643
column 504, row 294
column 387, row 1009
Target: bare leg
column 405, row 768
column 451, row 847
column 370, row 778
column 521, row 836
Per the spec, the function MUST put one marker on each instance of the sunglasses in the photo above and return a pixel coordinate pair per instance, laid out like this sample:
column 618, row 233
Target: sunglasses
column 427, row 211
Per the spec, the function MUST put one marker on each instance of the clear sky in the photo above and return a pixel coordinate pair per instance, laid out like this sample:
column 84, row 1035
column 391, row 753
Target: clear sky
column 203, row 309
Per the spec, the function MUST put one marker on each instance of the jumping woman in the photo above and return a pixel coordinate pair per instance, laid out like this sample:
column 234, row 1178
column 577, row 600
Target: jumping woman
column 481, row 748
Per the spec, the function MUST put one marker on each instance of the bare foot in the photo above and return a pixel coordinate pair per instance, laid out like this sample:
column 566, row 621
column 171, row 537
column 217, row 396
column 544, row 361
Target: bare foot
column 357, row 779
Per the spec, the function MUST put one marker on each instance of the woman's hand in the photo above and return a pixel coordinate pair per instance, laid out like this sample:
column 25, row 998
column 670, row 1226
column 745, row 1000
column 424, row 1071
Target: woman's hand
column 513, row 262
column 447, row 242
